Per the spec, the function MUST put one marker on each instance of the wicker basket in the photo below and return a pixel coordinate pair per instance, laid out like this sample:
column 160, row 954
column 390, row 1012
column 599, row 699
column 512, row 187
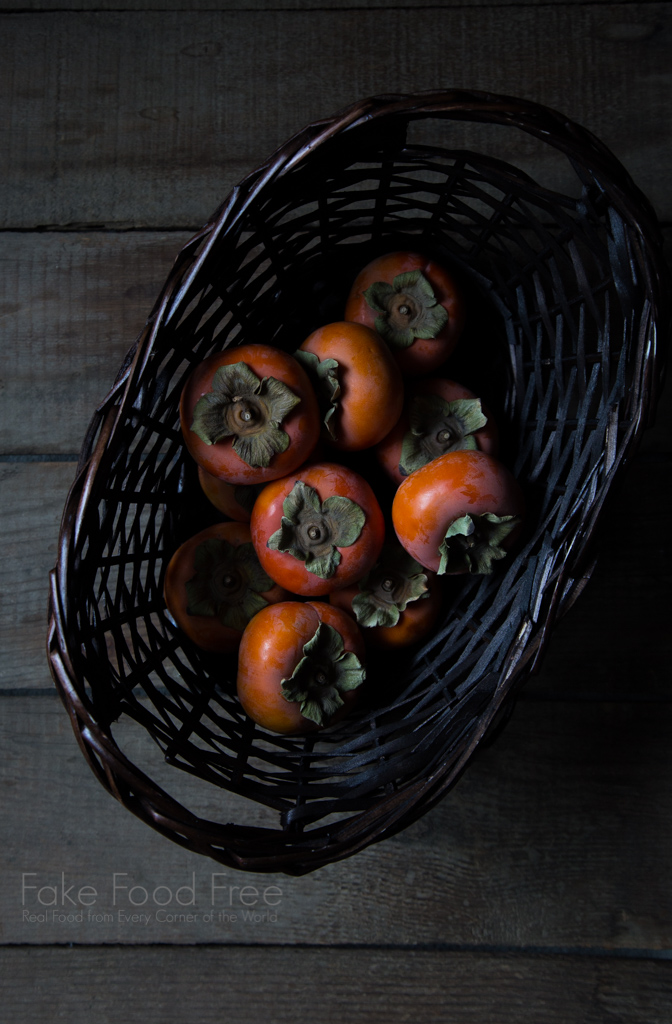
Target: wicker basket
column 568, row 296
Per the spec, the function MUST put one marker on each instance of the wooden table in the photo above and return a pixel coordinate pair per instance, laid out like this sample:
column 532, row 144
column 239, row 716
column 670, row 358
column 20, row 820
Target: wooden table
column 541, row 888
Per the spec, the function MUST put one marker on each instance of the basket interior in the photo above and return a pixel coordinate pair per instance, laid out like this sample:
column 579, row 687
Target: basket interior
column 556, row 307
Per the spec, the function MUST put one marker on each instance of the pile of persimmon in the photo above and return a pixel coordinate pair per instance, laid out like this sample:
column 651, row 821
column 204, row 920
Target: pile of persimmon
column 303, row 576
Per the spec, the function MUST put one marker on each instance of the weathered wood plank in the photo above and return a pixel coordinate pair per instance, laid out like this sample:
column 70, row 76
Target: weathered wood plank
column 32, row 497
column 71, row 305
column 245, row 986
column 159, row 113
column 616, row 639
column 558, row 836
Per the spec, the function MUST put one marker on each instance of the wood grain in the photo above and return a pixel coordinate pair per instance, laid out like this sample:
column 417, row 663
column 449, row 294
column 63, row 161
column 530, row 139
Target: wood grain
column 163, row 986
column 148, row 118
column 71, row 305
column 616, row 640
column 32, row 497
column 558, row 836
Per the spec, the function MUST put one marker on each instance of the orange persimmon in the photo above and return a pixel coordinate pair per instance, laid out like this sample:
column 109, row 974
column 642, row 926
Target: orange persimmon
column 214, row 584
column 458, row 513
column 318, row 529
column 233, row 500
column 299, row 666
column 352, row 368
column 249, row 414
column 439, row 416
column 414, row 303
column 397, row 603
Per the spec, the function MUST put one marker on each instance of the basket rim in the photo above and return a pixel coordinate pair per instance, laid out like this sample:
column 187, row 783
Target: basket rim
column 300, row 853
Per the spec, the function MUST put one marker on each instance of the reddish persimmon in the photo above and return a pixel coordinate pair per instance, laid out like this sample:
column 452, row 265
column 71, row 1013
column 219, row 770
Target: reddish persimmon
column 397, row 603
column 439, row 416
column 214, row 585
column 317, row 530
column 352, row 368
column 299, row 666
column 459, row 513
column 414, row 303
column 249, row 414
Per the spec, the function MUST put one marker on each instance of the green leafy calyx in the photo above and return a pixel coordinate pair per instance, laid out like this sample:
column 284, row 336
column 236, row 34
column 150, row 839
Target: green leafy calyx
column 323, row 376
column 325, row 672
column 474, row 543
column 249, row 409
column 436, row 427
column 384, row 593
column 312, row 530
column 407, row 309
column 228, row 583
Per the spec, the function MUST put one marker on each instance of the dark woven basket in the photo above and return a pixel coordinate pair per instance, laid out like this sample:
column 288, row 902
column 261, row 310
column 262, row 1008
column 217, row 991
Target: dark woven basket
column 567, row 293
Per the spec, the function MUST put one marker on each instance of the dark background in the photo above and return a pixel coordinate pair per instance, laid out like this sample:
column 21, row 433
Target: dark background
column 541, row 888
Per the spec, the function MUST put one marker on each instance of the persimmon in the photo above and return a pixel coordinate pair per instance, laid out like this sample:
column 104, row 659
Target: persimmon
column 233, row 500
column 214, row 584
column 249, row 414
column 300, row 665
column 414, row 304
column 439, row 416
column 459, row 513
column 358, row 382
column 397, row 603
column 318, row 529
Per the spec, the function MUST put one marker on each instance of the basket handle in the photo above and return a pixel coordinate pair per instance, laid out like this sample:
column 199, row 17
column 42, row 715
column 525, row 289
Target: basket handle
column 580, row 146
column 583, row 149
column 577, row 143
column 589, row 156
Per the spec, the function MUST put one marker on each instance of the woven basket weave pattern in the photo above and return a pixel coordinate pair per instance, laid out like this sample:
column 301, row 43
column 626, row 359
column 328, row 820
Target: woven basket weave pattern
column 564, row 303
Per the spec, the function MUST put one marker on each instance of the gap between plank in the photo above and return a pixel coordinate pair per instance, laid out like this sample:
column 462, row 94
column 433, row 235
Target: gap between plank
column 310, row 10
column 101, row 229
column 39, row 458
column 625, row 953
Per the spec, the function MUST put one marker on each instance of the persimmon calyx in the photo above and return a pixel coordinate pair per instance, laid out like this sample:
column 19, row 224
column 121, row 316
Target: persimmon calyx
column 407, row 308
column 323, row 376
column 312, row 530
column 384, row 593
column 475, row 543
column 228, row 583
column 249, row 409
column 325, row 672
column 436, row 427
